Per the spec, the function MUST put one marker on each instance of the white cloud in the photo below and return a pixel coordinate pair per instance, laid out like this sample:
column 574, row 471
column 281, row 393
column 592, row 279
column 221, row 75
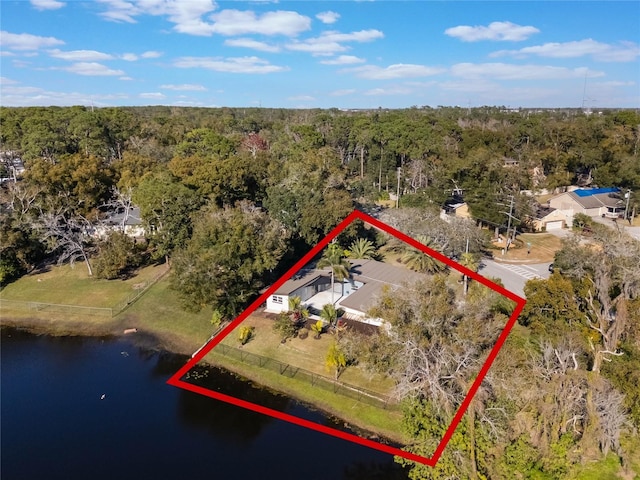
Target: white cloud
column 301, row 98
column 253, row 44
column 328, row 17
column 625, row 52
column 330, row 43
column 129, row 57
column 125, row 78
column 186, row 15
column 389, row 91
column 151, row 54
column 236, row 22
column 184, row 87
column 153, row 95
column 230, row 65
column 24, row 96
column 343, row 92
column 505, row 71
column 47, row 4
column 614, row 83
column 80, row 55
column 399, row 70
column 92, row 69
column 7, row 81
column 343, row 60
column 497, row 31
column 316, row 47
column 26, row 41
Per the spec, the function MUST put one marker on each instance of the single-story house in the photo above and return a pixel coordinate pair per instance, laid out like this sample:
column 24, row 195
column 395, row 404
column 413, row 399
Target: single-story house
column 455, row 206
column 547, row 219
column 355, row 295
column 129, row 222
column 593, row 202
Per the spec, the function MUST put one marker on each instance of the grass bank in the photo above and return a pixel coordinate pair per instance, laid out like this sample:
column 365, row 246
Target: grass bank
column 372, row 421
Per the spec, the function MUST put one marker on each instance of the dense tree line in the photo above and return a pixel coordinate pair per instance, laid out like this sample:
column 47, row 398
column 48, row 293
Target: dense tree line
column 230, row 198
column 562, row 393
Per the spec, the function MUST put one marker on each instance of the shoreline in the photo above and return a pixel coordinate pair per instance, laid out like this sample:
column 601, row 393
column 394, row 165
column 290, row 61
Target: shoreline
column 180, row 345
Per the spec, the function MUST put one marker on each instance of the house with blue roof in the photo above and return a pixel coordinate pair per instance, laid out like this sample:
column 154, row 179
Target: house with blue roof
column 594, row 202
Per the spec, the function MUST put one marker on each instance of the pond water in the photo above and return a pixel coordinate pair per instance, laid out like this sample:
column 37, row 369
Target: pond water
column 76, row 408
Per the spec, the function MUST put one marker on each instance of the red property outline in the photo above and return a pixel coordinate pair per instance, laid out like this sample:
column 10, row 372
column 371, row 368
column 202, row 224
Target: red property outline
column 176, row 381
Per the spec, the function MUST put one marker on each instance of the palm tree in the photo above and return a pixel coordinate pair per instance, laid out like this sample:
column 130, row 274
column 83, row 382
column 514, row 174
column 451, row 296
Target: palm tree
column 469, row 260
column 336, row 359
column 317, row 327
column 362, row 248
column 297, row 311
column 329, row 313
column 418, row 260
column 334, row 257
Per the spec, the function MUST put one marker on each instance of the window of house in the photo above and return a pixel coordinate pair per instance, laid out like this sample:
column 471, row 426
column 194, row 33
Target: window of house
column 277, row 299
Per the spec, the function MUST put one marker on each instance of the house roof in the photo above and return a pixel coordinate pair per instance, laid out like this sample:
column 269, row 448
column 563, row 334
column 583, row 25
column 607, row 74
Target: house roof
column 116, row 217
column 604, row 198
column 300, row 279
column 375, row 275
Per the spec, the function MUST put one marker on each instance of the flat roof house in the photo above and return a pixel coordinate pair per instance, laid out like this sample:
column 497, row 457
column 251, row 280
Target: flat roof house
column 356, row 295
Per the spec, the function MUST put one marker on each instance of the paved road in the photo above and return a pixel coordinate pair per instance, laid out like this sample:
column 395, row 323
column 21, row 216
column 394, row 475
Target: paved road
column 514, row 276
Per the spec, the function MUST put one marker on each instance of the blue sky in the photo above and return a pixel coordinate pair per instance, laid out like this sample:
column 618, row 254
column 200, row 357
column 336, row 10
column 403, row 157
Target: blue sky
column 364, row 54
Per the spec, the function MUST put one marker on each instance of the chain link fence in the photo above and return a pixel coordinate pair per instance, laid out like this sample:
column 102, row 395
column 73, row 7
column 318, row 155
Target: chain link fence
column 43, row 308
column 356, row 393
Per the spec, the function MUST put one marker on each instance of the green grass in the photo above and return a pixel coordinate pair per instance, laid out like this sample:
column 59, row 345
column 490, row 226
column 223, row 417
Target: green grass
column 308, row 354
column 384, row 422
column 160, row 311
column 68, row 285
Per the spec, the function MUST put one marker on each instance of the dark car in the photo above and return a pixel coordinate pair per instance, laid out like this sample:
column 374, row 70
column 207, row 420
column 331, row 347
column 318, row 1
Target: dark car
column 551, row 268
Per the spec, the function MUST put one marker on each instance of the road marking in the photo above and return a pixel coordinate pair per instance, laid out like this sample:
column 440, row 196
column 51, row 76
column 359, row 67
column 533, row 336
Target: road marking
column 522, row 270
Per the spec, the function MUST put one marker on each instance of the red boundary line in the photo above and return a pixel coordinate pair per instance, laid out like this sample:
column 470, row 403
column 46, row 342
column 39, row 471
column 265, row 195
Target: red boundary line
column 176, row 381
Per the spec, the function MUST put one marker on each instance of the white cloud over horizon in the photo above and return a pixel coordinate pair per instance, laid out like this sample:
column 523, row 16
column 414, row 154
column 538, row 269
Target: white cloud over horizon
column 92, row 69
column 230, row 65
column 495, row 31
column 47, row 4
column 184, row 87
column 328, row 17
column 399, row 70
column 252, row 44
column 505, row 71
column 26, row 41
column 343, row 60
column 604, row 52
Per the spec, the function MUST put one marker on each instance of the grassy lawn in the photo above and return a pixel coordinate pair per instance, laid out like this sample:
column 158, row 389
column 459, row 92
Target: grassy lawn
column 384, row 422
column 543, row 248
column 308, row 353
column 160, row 311
column 73, row 286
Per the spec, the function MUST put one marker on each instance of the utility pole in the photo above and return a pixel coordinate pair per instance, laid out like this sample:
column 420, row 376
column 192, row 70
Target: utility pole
column 510, row 215
column 398, row 189
column 626, row 208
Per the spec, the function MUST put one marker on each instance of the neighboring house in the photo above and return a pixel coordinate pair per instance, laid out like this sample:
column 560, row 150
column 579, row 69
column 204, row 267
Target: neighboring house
column 121, row 221
column 593, row 202
column 12, row 164
column 356, row 295
column 455, row 206
column 547, row 219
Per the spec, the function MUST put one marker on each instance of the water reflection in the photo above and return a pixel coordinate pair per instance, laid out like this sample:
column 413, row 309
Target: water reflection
column 55, row 425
